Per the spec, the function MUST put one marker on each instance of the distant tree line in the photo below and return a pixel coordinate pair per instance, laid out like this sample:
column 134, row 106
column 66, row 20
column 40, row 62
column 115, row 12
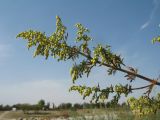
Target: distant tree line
column 6, row 107
column 41, row 105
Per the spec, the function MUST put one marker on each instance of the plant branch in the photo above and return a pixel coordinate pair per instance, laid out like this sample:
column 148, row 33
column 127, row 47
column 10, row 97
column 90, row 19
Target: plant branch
column 123, row 70
column 141, row 87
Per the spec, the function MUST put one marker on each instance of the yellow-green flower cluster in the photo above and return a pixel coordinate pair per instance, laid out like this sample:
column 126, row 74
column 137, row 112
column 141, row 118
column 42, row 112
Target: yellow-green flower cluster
column 143, row 105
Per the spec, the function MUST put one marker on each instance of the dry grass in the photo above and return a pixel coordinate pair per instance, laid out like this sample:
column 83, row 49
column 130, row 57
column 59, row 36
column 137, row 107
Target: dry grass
column 84, row 114
column 15, row 114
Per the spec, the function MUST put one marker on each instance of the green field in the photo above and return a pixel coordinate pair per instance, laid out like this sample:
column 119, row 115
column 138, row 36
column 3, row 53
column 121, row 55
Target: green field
column 83, row 114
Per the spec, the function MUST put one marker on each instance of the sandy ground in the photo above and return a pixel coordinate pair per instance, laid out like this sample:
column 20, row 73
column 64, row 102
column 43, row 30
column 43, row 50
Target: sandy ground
column 2, row 116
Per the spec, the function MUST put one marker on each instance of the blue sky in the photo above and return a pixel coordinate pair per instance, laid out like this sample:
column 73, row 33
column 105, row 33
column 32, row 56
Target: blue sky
column 128, row 26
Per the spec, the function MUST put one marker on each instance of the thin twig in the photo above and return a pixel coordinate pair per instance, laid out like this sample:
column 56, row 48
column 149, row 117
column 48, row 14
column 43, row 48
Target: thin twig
column 141, row 87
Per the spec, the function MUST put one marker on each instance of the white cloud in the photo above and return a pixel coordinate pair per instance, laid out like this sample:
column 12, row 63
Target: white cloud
column 151, row 16
column 145, row 25
column 32, row 91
